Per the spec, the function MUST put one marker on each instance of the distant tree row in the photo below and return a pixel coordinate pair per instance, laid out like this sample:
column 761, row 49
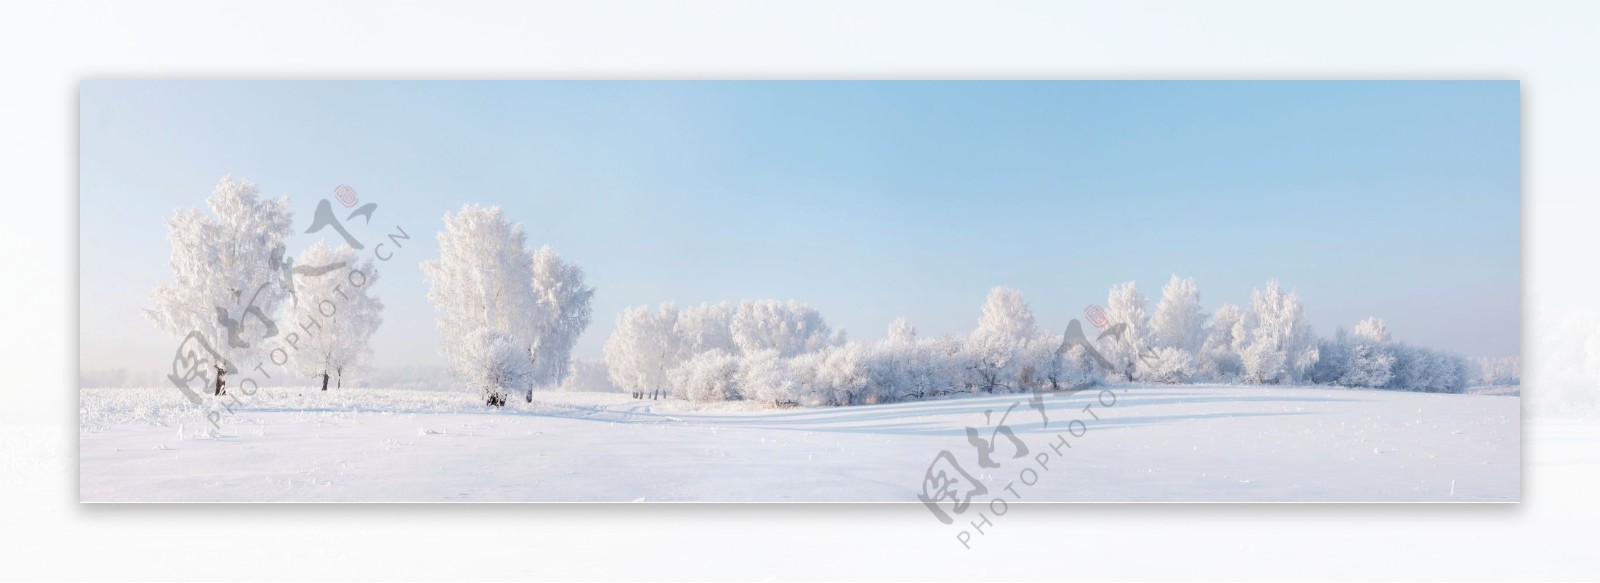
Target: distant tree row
column 783, row 353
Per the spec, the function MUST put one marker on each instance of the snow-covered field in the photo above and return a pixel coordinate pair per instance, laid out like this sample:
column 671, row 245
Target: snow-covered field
column 1154, row 443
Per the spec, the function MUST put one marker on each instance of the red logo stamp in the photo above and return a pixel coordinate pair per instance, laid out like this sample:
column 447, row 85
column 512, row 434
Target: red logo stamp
column 346, row 195
column 1096, row 316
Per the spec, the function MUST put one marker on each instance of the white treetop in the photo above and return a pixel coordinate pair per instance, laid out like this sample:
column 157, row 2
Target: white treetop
column 1372, row 330
column 901, row 331
column 789, row 327
column 1178, row 321
column 707, row 327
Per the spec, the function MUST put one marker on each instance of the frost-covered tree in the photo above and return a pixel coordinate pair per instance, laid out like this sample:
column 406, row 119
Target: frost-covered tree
column 1263, row 363
column 1427, row 370
column 641, row 350
column 952, row 364
column 803, row 370
column 227, row 282
column 1125, row 306
column 1362, row 359
column 1369, row 359
column 1081, row 368
column 1281, row 346
column 495, row 362
column 708, row 376
column 481, row 292
column 1333, row 356
column 707, row 327
column 1367, row 365
column 902, row 331
column 1050, row 365
column 789, row 327
column 1219, row 358
column 646, row 346
column 995, row 348
column 1167, row 365
column 903, row 366
column 889, row 363
column 765, row 377
column 335, row 313
column 840, row 376
column 906, row 367
column 1372, row 330
column 1178, row 321
column 562, row 312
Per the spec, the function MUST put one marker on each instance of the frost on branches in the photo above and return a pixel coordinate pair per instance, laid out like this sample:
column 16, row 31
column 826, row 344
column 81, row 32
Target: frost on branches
column 644, row 345
column 1278, row 346
column 226, row 287
column 996, row 348
column 1125, row 307
column 563, row 313
column 336, row 313
column 1179, row 321
column 507, row 317
column 1369, row 359
column 789, row 327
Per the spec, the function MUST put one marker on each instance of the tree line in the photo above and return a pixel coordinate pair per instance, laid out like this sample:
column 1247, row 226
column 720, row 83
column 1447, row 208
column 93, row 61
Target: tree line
column 509, row 315
column 783, row 353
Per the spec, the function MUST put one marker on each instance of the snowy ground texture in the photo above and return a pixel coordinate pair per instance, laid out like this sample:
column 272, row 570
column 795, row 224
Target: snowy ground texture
column 1153, row 443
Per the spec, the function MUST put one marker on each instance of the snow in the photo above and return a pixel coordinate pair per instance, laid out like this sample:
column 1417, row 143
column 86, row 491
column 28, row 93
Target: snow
column 1193, row 443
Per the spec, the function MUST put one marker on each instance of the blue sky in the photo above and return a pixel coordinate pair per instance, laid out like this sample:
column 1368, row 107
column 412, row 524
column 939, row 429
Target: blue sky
column 867, row 200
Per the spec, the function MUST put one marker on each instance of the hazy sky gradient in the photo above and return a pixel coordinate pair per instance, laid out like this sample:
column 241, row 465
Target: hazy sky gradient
column 868, row 200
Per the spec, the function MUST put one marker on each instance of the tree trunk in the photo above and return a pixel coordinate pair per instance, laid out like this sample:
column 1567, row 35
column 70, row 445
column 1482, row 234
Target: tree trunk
column 324, row 381
column 339, row 382
column 220, row 383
